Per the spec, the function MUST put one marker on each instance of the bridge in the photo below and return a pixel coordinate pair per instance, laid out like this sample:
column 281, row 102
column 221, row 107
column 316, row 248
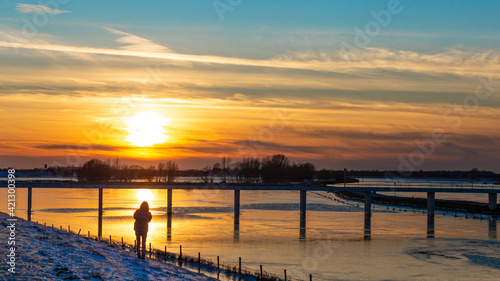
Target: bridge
column 366, row 188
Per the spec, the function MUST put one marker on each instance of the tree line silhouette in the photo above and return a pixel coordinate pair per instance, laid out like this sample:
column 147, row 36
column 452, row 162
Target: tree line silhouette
column 98, row 170
column 275, row 168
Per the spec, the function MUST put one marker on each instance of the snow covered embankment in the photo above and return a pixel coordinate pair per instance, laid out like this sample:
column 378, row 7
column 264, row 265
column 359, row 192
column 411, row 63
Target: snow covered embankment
column 45, row 253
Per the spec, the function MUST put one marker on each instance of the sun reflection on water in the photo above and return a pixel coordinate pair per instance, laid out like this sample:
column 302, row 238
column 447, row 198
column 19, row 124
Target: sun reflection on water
column 144, row 195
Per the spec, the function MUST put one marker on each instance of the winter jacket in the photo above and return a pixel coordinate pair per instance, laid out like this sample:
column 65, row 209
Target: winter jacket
column 142, row 219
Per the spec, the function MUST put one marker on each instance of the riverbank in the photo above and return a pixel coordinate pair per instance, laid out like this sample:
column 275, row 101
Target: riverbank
column 46, row 253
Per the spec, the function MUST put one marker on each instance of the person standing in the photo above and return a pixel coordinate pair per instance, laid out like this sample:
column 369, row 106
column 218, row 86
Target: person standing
column 142, row 218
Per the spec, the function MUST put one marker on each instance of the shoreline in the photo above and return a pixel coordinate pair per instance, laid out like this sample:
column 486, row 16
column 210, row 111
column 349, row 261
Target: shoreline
column 46, row 252
column 172, row 266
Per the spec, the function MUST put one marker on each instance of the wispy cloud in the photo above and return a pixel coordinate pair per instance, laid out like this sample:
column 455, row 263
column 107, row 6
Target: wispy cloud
column 31, row 8
column 457, row 63
column 136, row 43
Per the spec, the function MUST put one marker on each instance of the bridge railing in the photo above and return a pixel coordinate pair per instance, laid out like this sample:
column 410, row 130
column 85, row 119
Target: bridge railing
column 446, row 184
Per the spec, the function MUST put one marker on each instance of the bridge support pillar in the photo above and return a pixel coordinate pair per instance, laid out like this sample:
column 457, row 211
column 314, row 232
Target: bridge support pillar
column 169, row 201
column 303, row 205
column 492, row 201
column 99, row 225
column 431, row 198
column 169, row 214
column 368, row 215
column 236, row 215
column 30, row 192
column 169, row 227
column 492, row 228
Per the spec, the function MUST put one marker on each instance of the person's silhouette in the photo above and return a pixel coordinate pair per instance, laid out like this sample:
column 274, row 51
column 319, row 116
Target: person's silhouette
column 142, row 218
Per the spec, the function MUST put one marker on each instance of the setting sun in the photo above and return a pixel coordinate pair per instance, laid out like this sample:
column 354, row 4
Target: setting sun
column 146, row 129
column 144, row 195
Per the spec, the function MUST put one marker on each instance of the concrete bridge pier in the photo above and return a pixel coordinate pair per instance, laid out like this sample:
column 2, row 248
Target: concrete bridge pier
column 169, row 201
column 492, row 228
column 169, row 227
column 492, row 201
column 30, row 193
column 99, row 225
column 169, row 214
column 431, row 198
column 303, row 206
column 368, row 215
column 236, row 215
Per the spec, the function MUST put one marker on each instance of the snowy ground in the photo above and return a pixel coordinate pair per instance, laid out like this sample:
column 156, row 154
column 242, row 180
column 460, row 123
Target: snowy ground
column 45, row 253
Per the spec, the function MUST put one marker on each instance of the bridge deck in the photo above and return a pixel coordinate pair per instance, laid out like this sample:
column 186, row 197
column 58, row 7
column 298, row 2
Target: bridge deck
column 359, row 187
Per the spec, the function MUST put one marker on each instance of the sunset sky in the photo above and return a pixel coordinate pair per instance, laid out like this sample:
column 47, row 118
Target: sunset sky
column 355, row 84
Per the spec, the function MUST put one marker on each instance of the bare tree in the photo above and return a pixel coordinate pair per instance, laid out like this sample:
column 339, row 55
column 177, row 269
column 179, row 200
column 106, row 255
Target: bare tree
column 171, row 170
column 161, row 171
column 206, row 174
column 248, row 170
column 150, row 173
column 226, row 164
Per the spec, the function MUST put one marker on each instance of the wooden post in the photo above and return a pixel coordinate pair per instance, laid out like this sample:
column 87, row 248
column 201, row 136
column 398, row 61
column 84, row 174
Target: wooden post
column 261, row 276
column 165, row 252
column 199, row 257
column 89, row 233
column 180, row 252
column 60, row 227
column 30, row 193
column 239, row 265
column 69, row 228
column 110, row 239
column 285, row 274
column 149, row 249
column 310, row 277
column 79, row 231
column 99, row 226
column 122, row 243
column 218, row 264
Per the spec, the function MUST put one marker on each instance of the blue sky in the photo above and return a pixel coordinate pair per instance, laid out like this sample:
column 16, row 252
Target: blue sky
column 375, row 86
column 425, row 25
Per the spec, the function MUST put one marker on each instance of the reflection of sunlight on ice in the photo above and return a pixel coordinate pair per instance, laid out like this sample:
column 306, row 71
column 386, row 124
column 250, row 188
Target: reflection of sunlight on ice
column 152, row 228
column 144, row 195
